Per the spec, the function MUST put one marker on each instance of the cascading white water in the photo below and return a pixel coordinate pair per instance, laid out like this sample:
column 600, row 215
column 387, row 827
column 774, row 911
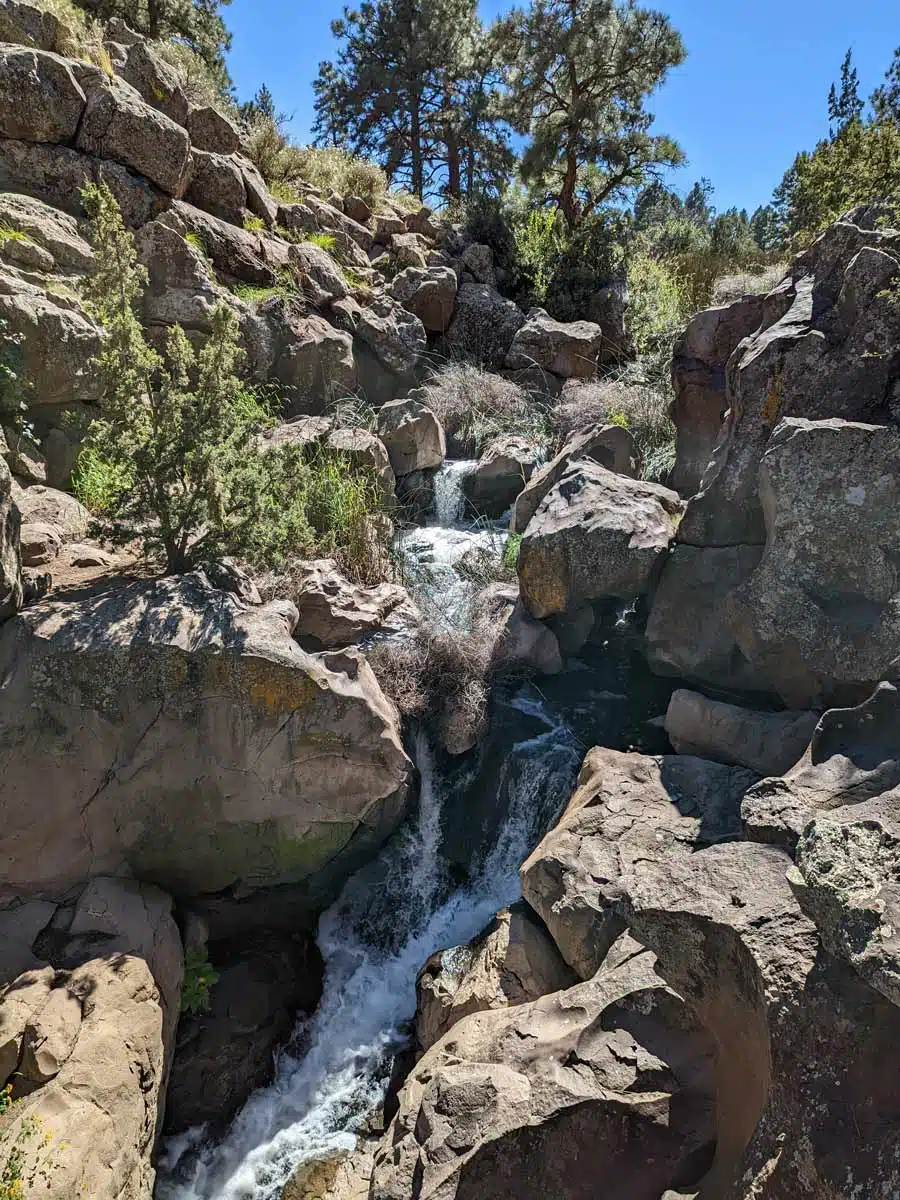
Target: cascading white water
column 374, row 940
column 432, row 552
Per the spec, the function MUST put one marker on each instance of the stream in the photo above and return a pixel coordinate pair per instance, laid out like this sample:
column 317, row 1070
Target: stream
column 435, row 885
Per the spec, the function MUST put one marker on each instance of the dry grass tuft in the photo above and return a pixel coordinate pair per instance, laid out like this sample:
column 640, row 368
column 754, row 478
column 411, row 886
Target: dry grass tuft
column 474, row 405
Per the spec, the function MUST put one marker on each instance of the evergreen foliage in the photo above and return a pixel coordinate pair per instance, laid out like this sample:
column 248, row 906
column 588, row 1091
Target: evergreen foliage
column 580, row 72
column 196, row 24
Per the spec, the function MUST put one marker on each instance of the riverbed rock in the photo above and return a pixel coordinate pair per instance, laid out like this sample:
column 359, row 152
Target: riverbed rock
column 822, row 610
column 568, row 349
column 506, row 464
column 237, row 762
column 594, row 536
column 612, row 446
column 335, row 612
column 413, row 436
column 514, row 960
column 89, row 1032
column 483, row 326
column 624, row 804
column 616, row 1072
column 520, row 642
column 804, row 1102
column 769, row 743
column 429, row 293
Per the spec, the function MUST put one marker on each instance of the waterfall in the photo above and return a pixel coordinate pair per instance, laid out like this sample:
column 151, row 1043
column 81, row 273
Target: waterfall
column 449, row 501
column 389, row 919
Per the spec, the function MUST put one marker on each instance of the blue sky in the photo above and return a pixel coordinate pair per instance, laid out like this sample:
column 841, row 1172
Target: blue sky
column 751, row 94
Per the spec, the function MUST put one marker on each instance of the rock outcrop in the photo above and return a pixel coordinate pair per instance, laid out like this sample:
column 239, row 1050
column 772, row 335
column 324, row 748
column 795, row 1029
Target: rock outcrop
column 595, row 535
column 183, row 737
column 89, row 998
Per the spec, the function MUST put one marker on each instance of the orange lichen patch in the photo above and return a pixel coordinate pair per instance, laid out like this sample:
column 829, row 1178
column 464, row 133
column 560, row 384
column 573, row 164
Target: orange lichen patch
column 277, row 689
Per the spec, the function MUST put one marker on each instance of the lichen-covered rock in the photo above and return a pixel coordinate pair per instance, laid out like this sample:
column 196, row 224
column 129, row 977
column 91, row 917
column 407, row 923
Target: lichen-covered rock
column 407, row 249
column 40, row 98
column 118, row 124
column 156, row 81
column 477, row 260
column 396, row 337
column 259, row 199
column 429, row 293
column 54, row 231
column 180, row 736
column 315, row 361
column 822, row 609
column 483, row 325
column 413, row 436
column 595, row 535
column 217, row 186
column 24, row 24
column 566, row 349
column 626, row 806
column 211, row 130
column 769, row 743
column 612, row 446
column 319, row 267
column 56, row 174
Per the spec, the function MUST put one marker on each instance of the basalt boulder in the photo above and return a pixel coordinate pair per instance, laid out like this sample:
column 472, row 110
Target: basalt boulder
column 504, row 468
column 596, row 535
column 568, row 349
column 413, row 436
column 181, row 736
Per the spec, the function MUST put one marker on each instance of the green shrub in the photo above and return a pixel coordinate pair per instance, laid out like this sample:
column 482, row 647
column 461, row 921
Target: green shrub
column 658, row 303
column 540, row 240
column 202, row 84
column 98, row 483
column 253, row 224
column 199, row 977
column 325, row 241
column 11, row 383
column 79, row 36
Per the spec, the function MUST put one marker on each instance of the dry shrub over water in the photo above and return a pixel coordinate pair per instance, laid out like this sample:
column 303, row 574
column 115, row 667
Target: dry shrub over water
column 475, row 405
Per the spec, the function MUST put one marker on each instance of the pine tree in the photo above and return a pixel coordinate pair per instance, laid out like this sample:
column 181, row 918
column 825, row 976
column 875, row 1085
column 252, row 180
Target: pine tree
column 697, row 204
column 886, row 99
column 580, row 73
column 845, row 106
column 197, row 24
column 411, row 89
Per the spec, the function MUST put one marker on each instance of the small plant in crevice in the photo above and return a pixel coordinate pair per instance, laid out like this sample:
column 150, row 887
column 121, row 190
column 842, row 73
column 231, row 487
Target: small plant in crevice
column 199, row 977
column 27, row 1157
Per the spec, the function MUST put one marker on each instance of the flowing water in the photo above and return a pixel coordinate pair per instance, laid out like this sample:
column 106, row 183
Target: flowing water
column 391, row 917
column 374, row 941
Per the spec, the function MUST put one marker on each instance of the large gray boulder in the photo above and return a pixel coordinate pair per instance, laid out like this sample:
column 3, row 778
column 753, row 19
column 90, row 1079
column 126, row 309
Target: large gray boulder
column 217, row 186
column 57, row 174
column 10, row 553
column 58, row 343
column 769, row 743
column 604, row 1089
column 832, row 354
column 568, row 349
column 595, row 535
column 55, row 232
column 396, row 337
column 180, row 736
column 335, row 612
column 483, row 326
column 625, row 806
column 314, row 360
column 413, row 436
column 155, row 79
column 612, row 446
column 40, row 98
column 698, row 378
column 519, row 642
column 211, row 130
column 504, row 468
column 118, row 124
column 24, row 24
column 511, row 962
column 822, row 609
column 429, row 293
